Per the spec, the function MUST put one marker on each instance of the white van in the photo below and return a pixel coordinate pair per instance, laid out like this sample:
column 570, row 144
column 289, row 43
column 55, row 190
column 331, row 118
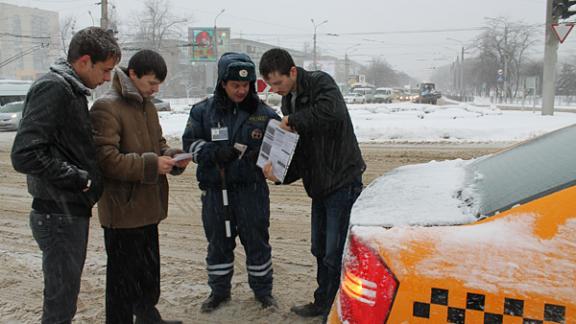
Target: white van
column 383, row 95
column 368, row 93
column 13, row 90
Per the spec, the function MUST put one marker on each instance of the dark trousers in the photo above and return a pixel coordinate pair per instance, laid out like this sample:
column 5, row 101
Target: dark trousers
column 132, row 274
column 63, row 240
column 250, row 219
column 330, row 219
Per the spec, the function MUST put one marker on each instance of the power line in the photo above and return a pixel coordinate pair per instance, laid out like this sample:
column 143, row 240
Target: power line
column 24, row 36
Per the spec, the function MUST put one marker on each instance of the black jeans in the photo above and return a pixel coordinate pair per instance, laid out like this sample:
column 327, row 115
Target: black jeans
column 330, row 219
column 63, row 240
column 132, row 274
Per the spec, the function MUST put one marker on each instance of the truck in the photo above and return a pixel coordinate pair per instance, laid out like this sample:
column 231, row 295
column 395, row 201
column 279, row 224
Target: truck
column 427, row 93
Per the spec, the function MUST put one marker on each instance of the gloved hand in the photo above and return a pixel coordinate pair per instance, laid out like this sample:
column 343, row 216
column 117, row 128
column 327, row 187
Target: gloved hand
column 226, row 154
column 252, row 154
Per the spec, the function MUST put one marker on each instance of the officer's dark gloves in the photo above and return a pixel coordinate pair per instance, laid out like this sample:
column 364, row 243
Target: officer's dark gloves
column 226, row 154
column 252, row 155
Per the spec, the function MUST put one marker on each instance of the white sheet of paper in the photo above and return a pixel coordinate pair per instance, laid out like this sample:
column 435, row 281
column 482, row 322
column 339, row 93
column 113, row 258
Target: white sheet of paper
column 182, row 157
column 278, row 147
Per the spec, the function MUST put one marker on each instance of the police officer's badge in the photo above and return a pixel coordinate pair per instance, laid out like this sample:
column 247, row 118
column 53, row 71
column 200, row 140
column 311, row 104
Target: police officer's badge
column 243, row 73
column 257, row 134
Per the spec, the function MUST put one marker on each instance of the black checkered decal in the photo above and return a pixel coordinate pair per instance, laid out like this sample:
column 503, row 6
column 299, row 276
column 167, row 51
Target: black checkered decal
column 476, row 302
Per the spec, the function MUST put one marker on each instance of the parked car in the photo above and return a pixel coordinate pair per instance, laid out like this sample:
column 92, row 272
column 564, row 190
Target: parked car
column 383, row 95
column 368, row 93
column 354, row 98
column 10, row 115
column 491, row 240
column 161, row 105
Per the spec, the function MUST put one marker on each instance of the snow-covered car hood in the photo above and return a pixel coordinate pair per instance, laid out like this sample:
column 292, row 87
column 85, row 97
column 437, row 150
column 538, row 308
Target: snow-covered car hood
column 420, row 194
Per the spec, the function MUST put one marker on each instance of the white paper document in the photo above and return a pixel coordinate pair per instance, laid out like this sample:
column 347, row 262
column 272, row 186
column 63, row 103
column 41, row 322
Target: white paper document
column 182, row 157
column 278, row 147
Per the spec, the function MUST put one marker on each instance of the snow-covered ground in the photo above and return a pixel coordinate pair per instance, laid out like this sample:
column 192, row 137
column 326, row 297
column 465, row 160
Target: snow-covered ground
column 421, row 123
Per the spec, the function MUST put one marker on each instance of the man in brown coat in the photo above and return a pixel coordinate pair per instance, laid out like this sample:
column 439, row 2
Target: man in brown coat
column 134, row 159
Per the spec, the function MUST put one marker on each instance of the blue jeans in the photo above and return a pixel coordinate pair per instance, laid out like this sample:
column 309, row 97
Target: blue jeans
column 330, row 219
column 63, row 240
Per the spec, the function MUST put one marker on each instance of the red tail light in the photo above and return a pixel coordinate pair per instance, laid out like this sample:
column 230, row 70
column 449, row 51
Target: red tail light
column 368, row 287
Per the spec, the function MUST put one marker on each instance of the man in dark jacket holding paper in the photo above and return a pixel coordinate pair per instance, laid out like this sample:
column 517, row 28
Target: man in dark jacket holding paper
column 224, row 134
column 327, row 158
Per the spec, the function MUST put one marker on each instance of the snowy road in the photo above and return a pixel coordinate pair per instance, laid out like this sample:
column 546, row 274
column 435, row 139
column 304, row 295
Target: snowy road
column 183, row 247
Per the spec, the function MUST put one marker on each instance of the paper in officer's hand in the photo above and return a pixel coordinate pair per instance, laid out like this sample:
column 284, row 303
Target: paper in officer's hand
column 182, row 157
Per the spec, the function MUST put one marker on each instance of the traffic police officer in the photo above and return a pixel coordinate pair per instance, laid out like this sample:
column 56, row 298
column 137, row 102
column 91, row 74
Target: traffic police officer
column 235, row 196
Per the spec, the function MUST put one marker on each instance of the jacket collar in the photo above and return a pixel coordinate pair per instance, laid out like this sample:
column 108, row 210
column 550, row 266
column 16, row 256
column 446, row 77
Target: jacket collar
column 66, row 71
column 124, row 85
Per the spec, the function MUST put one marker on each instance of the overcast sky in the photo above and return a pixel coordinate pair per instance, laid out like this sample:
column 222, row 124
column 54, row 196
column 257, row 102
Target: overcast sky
column 413, row 36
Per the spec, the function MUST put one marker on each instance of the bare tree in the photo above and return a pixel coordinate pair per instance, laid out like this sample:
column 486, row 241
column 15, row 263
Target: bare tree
column 156, row 23
column 504, row 46
column 67, row 28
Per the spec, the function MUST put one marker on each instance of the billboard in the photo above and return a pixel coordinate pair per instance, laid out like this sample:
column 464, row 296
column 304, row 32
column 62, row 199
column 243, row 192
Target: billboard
column 202, row 47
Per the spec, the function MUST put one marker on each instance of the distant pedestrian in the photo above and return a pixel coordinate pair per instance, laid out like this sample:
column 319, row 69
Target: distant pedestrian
column 235, row 196
column 327, row 159
column 135, row 159
column 55, row 149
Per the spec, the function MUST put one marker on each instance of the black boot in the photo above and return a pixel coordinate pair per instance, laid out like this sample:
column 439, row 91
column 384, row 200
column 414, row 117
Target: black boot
column 213, row 302
column 267, row 301
column 308, row 310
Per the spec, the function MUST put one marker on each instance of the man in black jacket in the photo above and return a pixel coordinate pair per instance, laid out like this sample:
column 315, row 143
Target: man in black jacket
column 55, row 149
column 327, row 159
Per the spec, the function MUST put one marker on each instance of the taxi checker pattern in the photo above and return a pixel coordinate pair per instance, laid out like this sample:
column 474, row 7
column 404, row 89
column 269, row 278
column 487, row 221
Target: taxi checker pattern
column 475, row 302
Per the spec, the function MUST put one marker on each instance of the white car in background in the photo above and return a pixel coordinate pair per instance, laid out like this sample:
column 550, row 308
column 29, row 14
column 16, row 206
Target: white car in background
column 354, row 98
column 10, row 115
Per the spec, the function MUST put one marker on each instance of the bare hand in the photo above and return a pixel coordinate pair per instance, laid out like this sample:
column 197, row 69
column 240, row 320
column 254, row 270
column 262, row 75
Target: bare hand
column 165, row 164
column 269, row 173
column 284, row 124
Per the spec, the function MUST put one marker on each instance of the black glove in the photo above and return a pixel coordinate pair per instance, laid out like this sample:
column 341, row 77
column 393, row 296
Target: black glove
column 226, row 154
column 252, row 155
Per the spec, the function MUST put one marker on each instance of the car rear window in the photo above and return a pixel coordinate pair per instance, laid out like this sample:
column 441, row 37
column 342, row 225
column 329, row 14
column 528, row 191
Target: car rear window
column 12, row 107
column 524, row 172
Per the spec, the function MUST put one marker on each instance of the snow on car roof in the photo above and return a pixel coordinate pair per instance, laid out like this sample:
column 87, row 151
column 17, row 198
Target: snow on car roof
column 420, row 194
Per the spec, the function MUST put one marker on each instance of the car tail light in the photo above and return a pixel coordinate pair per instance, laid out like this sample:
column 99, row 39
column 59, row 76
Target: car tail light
column 367, row 288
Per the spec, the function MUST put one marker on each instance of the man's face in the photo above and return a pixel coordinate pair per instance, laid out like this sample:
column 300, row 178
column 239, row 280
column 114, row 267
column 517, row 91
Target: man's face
column 236, row 90
column 94, row 74
column 147, row 85
column 280, row 83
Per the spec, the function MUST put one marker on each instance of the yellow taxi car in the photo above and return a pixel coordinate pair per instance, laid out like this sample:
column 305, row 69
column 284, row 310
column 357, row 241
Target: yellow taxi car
column 490, row 240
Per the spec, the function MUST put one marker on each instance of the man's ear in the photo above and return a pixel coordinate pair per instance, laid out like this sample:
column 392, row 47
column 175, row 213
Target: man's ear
column 293, row 72
column 132, row 75
column 84, row 61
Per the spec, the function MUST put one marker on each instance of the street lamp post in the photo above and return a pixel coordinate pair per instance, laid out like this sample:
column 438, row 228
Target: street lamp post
column 215, row 45
column 461, row 71
column 215, row 36
column 347, row 62
column 316, row 27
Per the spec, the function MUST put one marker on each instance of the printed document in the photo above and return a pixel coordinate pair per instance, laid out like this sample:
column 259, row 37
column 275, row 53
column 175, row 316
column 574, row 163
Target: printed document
column 278, row 147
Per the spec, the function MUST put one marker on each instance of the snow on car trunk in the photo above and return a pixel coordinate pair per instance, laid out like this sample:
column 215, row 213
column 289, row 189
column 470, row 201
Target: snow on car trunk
column 421, row 194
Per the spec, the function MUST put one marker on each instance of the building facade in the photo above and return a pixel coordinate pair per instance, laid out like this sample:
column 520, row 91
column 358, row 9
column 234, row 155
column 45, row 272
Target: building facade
column 29, row 41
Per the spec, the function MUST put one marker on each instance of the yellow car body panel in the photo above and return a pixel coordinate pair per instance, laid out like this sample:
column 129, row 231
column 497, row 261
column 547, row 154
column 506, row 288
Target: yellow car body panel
column 525, row 272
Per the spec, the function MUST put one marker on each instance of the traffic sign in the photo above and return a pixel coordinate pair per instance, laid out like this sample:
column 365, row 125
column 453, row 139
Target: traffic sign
column 562, row 30
column 262, row 86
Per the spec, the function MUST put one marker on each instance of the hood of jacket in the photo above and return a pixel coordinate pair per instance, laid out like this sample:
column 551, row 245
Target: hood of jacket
column 124, row 86
column 66, row 71
column 221, row 99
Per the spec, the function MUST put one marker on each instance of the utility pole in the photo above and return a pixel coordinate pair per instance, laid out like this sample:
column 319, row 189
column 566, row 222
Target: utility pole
column 104, row 14
column 462, row 75
column 215, row 45
column 314, row 50
column 550, row 58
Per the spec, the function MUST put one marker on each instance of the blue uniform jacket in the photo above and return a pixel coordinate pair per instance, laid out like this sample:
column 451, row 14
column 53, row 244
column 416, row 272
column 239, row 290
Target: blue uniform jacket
column 246, row 123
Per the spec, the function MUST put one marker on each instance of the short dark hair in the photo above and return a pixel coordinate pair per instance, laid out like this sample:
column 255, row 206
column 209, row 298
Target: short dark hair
column 146, row 62
column 276, row 60
column 96, row 42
